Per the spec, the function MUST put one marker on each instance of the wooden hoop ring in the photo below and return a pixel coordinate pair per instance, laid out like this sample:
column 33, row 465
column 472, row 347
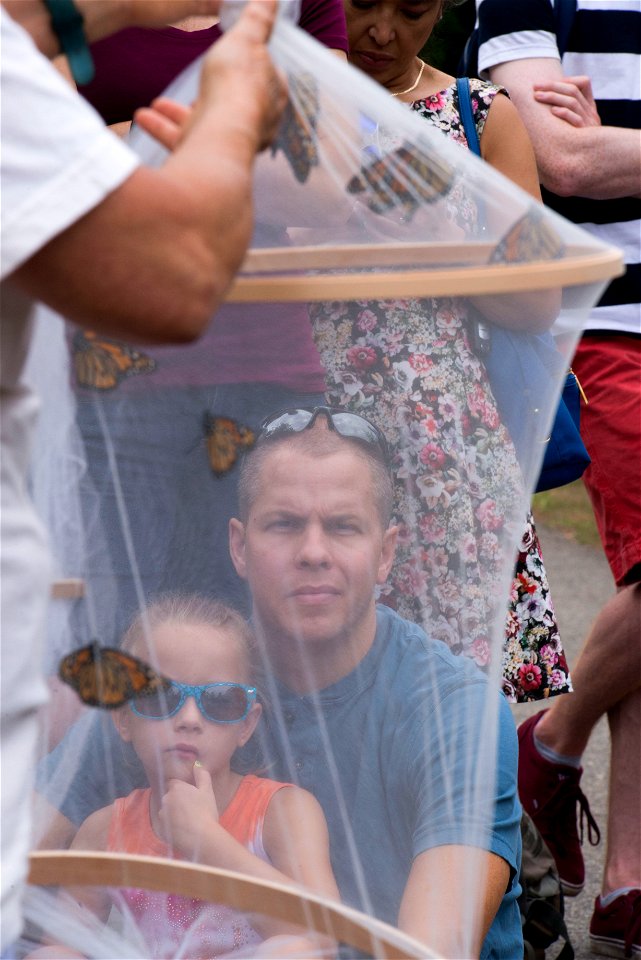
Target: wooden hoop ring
column 582, row 266
column 290, row 904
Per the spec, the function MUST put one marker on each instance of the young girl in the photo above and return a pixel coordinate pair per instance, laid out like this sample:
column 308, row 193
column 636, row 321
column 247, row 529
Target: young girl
column 196, row 807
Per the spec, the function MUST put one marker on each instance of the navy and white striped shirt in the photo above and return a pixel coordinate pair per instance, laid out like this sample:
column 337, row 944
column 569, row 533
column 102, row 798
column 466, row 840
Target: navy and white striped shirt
column 605, row 44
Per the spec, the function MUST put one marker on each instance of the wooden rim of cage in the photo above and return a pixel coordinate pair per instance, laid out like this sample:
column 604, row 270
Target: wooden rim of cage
column 274, row 277
column 289, row 904
column 70, row 589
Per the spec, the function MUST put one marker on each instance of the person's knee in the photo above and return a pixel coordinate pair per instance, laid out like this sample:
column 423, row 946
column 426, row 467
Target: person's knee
column 619, row 621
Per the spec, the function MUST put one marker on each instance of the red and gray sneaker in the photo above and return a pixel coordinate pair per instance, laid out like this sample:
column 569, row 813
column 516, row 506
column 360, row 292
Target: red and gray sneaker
column 615, row 930
column 550, row 793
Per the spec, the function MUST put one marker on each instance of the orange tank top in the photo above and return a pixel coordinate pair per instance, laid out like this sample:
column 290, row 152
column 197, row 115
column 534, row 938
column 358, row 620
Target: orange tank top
column 131, row 831
column 179, row 926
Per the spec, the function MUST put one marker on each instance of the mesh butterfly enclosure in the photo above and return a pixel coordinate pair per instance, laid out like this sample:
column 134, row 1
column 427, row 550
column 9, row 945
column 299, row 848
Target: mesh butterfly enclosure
column 285, row 559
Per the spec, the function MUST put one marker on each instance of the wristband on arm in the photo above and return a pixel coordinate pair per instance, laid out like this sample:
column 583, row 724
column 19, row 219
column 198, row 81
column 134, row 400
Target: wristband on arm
column 67, row 24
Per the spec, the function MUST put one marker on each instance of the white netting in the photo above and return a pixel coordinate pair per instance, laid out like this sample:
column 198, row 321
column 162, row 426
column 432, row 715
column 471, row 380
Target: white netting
column 396, row 251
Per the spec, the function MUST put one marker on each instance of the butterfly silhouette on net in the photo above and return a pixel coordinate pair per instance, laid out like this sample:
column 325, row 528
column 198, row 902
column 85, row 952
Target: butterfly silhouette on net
column 404, row 178
column 101, row 363
column 226, row 439
column 297, row 133
column 107, row 677
column 531, row 238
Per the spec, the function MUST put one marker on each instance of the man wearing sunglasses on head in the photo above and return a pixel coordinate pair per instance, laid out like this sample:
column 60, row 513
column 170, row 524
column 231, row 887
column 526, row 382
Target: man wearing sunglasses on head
column 370, row 716
column 381, row 724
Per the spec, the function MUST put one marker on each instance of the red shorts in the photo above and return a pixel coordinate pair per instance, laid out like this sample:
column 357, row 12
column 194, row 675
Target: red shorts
column 609, row 369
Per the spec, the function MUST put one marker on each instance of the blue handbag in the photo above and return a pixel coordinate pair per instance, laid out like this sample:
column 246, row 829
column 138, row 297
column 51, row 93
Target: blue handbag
column 521, row 367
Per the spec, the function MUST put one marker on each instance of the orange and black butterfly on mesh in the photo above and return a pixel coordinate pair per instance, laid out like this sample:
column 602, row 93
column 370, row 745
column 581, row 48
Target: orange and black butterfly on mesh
column 107, row 677
column 404, row 178
column 296, row 136
column 530, row 238
column 101, row 363
column 226, row 439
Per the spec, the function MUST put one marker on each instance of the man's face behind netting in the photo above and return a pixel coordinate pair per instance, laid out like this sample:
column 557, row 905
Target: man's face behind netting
column 313, row 547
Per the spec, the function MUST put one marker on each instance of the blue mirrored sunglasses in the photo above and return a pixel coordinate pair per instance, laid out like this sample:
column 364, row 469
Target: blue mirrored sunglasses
column 218, row 702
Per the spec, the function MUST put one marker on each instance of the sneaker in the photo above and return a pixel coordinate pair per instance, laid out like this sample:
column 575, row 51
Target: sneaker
column 550, row 793
column 615, row 930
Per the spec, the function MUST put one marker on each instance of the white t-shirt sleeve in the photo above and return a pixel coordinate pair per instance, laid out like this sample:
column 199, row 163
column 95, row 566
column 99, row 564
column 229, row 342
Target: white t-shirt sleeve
column 514, row 30
column 58, row 159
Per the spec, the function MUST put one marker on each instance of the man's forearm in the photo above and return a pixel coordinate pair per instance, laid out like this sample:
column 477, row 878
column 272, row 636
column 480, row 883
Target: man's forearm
column 102, row 17
column 168, row 243
column 601, row 163
column 153, row 260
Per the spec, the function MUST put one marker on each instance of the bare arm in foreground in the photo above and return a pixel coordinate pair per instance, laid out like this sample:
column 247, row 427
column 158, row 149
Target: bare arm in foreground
column 155, row 258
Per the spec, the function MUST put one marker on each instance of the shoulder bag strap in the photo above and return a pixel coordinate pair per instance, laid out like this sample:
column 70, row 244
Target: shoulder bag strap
column 467, row 116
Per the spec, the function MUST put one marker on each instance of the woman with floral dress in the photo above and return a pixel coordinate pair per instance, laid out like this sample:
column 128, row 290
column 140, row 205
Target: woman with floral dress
column 407, row 365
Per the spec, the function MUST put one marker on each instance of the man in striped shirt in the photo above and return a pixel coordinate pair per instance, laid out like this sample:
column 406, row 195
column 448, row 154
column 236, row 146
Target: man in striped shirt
column 588, row 149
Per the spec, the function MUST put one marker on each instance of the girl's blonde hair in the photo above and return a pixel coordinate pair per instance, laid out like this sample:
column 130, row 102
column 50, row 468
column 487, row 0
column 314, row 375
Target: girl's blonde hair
column 191, row 609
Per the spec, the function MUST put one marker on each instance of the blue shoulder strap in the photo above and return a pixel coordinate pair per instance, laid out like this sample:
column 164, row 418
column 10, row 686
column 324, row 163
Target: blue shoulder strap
column 467, row 116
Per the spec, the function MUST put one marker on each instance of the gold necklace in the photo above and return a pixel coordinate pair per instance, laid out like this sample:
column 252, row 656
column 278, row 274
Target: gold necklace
column 401, row 93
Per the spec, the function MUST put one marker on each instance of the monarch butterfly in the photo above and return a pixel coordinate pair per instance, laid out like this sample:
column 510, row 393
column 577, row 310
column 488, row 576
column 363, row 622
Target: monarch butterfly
column 225, row 440
column 297, row 134
column 101, row 363
column 401, row 178
column 529, row 239
column 106, row 677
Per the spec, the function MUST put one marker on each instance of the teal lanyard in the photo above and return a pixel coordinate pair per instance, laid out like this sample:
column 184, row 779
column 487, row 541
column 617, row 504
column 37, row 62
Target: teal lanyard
column 68, row 25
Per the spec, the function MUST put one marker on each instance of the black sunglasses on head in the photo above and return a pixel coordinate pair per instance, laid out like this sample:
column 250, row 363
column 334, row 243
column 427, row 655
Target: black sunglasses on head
column 349, row 425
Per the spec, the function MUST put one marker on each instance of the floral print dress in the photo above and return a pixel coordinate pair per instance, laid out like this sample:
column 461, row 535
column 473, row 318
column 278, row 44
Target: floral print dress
column 408, row 366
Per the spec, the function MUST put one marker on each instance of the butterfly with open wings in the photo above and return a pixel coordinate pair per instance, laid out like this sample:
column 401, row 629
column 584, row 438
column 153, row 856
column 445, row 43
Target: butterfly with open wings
column 404, row 178
column 530, row 238
column 101, row 363
column 107, row 677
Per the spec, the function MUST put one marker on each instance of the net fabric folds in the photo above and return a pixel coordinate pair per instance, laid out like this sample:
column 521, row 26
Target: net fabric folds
column 368, row 681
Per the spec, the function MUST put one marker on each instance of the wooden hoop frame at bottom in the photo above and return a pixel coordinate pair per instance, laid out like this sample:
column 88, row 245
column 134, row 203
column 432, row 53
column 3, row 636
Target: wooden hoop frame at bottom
column 581, row 266
column 290, row 904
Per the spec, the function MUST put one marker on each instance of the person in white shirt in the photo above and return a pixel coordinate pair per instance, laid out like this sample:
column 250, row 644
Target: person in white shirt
column 146, row 254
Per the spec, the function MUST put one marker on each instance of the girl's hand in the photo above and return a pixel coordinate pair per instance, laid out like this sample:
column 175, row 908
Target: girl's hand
column 187, row 811
column 570, row 99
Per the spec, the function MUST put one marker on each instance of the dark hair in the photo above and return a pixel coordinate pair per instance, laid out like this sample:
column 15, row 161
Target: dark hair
column 319, row 443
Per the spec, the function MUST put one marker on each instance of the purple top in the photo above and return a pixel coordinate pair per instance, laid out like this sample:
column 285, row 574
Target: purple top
column 137, row 64
column 246, row 343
